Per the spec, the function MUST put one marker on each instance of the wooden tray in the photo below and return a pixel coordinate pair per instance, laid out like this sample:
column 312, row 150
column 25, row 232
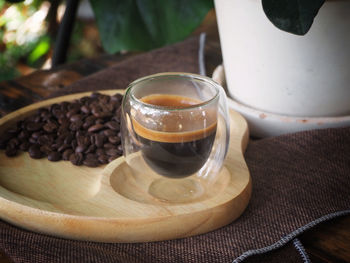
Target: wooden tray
column 100, row 204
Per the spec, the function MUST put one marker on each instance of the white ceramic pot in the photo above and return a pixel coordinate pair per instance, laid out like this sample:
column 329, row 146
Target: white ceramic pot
column 276, row 72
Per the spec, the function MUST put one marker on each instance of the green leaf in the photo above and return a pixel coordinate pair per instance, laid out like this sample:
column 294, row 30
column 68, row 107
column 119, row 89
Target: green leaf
column 146, row 24
column 40, row 49
column 294, row 16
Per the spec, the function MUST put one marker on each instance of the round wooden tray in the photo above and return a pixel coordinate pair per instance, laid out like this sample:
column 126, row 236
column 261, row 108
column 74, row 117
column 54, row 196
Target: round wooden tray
column 100, row 204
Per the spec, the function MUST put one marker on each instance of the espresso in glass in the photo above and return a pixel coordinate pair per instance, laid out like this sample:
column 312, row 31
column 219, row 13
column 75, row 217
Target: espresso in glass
column 175, row 134
column 183, row 144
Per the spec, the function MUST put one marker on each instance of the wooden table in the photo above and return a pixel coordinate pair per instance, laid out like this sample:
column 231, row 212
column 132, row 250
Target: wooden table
column 328, row 242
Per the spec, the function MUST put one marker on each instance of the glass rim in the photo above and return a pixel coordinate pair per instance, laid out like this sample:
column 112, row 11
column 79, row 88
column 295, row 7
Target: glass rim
column 177, row 74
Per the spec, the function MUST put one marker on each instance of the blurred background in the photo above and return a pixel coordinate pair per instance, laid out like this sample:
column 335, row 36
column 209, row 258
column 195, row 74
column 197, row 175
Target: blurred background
column 40, row 34
column 28, row 30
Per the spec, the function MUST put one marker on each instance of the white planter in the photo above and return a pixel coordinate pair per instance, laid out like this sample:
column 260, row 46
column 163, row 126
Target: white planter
column 272, row 71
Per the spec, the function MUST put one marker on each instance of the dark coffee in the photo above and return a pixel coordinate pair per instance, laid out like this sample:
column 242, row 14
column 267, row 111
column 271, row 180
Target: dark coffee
column 172, row 152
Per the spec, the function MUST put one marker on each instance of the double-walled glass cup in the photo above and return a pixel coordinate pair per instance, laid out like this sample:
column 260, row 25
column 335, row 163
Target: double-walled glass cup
column 175, row 134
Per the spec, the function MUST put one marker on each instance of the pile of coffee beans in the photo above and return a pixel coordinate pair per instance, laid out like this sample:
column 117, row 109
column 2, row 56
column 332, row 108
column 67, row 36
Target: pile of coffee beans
column 84, row 131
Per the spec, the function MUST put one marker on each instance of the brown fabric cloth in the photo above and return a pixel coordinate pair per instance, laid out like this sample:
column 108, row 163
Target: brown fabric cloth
column 297, row 179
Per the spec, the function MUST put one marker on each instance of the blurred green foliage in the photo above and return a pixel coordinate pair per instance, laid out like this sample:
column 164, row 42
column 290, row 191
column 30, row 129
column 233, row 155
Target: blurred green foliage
column 147, row 24
column 20, row 40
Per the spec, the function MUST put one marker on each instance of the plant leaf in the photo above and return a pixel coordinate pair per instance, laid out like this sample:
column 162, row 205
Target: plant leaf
column 146, row 24
column 293, row 16
column 40, row 49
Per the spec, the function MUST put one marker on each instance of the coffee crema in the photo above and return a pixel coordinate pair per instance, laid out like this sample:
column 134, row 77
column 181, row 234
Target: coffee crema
column 183, row 141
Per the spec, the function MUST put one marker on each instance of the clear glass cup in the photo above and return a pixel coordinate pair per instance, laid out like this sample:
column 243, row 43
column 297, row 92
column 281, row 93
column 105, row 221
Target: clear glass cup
column 175, row 134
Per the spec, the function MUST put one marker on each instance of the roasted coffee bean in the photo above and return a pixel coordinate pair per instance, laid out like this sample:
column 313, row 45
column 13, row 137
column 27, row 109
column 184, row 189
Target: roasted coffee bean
column 114, row 139
column 57, row 112
column 108, row 145
column 64, row 105
column 80, row 133
column 90, row 118
column 88, row 124
column 74, row 143
column 114, row 99
column 120, row 149
column 24, row 146
column 10, row 151
column 103, row 114
column 63, row 121
column 92, row 138
column 117, row 115
column 37, row 119
column 50, row 127
column 68, row 139
column 37, row 134
column 34, row 152
column 99, row 121
column 112, row 152
column 90, row 149
column 45, row 139
column 46, row 149
column 91, row 162
column 99, row 140
column 109, row 107
column 60, row 139
column 76, row 117
column 85, row 109
column 32, row 140
column 113, row 125
column 54, row 156
column 109, row 132
column 66, row 154
column 99, row 152
column 14, row 142
column 75, row 126
column 90, row 156
column 63, row 147
column 104, row 99
column 80, row 148
column 95, row 108
column 76, row 158
column 100, row 112
column 21, row 124
column 72, row 112
column 55, row 146
column 74, row 106
column 118, row 96
column 54, row 106
column 44, row 113
column 83, row 140
column 84, row 99
column 96, row 128
column 23, row 135
column 103, row 159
